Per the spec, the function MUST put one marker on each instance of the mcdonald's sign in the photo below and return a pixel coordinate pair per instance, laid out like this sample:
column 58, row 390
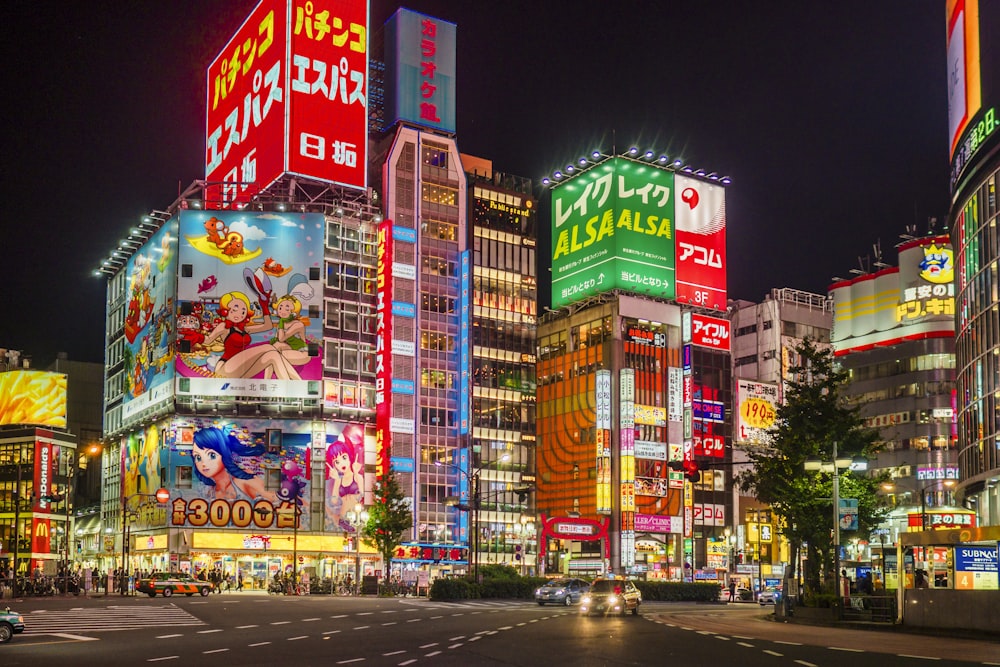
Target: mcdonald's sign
column 40, row 530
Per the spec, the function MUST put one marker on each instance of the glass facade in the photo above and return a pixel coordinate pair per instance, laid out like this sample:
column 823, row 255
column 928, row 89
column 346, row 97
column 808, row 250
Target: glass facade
column 974, row 235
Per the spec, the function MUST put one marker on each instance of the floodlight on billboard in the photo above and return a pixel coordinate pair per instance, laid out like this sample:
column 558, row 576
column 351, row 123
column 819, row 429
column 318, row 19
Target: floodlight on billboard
column 33, row 397
column 289, row 94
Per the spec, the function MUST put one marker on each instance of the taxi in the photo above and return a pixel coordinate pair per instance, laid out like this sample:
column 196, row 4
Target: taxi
column 611, row 595
column 11, row 623
column 168, row 583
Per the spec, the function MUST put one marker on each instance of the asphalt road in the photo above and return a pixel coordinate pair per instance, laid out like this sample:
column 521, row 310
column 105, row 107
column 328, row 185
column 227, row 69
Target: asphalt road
column 254, row 629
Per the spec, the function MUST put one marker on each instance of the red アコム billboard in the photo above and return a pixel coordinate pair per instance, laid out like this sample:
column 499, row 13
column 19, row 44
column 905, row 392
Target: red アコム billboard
column 289, row 94
column 700, row 210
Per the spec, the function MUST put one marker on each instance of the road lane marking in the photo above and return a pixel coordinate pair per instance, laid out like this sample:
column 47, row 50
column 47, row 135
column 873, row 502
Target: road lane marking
column 393, row 653
column 432, row 654
column 208, row 632
column 79, row 638
column 841, row 648
column 339, row 616
column 428, row 645
column 217, row 650
column 774, row 653
column 168, row 636
column 778, row 641
column 804, row 663
column 414, row 620
column 307, row 620
column 365, row 613
column 346, row 662
column 725, row 639
column 259, row 644
column 506, row 627
column 390, row 623
column 917, row 657
column 244, row 627
column 407, row 662
column 390, row 611
column 745, row 644
column 362, row 627
column 455, row 639
column 280, row 622
column 474, row 639
column 459, row 614
column 295, row 639
column 331, row 632
column 168, row 657
column 436, row 617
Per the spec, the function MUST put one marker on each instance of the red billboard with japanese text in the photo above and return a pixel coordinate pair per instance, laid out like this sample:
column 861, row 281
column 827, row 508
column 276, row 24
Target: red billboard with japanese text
column 383, row 348
column 710, row 332
column 289, row 94
column 700, row 210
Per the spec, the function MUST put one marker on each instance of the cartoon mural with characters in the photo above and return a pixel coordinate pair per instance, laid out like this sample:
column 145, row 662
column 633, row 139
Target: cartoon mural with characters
column 238, row 317
column 236, row 470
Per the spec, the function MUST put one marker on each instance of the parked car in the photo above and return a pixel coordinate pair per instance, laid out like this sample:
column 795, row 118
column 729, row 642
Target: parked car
column 561, row 591
column 168, row 583
column 11, row 623
column 770, row 595
column 611, row 595
column 742, row 595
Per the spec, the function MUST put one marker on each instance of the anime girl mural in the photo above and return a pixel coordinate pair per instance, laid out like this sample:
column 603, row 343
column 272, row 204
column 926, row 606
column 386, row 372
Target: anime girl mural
column 345, row 476
column 218, row 454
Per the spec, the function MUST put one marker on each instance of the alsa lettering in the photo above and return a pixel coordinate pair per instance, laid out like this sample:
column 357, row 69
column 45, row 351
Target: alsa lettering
column 604, row 226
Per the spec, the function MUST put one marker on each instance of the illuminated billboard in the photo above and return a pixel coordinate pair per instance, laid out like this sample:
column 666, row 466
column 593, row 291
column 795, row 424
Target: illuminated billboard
column 249, row 304
column 151, row 274
column 973, row 81
column 420, row 70
column 913, row 301
column 758, row 408
column 383, row 348
column 33, row 397
column 289, row 94
column 701, row 242
column 243, row 474
column 612, row 228
column 344, row 475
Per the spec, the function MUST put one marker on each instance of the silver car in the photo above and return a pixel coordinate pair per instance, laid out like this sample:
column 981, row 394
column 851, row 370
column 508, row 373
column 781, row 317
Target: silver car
column 562, row 591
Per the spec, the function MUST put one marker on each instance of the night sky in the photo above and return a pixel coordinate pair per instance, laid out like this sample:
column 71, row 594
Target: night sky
column 830, row 118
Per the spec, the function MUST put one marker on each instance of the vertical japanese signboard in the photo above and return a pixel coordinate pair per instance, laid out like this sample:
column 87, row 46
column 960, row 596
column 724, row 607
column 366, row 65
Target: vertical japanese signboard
column 289, row 94
column 463, row 346
column 626, row 437
column 602, row 403
column 420, row 70
column 383, row 348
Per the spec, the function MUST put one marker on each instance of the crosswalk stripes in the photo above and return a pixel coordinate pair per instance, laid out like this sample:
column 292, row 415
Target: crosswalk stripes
column 97, row 619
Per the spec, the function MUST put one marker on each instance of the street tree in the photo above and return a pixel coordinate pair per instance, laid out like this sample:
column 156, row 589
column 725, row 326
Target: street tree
column 388, row 518
column 815, row 415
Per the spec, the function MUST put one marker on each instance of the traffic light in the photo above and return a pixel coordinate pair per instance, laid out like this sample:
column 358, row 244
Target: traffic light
column 739, row 556
column 690, row 469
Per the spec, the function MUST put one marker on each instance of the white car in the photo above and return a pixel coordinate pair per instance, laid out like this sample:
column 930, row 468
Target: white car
column 770, row 595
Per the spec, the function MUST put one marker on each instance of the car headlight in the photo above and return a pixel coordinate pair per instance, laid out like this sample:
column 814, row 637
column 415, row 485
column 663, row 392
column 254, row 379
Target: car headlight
column 613, row 599
column 538, row 591
column 586, row 599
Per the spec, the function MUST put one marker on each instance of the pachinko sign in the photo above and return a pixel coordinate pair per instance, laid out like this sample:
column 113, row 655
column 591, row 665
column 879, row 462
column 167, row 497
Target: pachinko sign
column 383, row 348
column 228, row 465
column 289, row 94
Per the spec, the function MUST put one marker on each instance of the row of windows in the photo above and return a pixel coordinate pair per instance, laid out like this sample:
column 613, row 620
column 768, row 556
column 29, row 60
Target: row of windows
column 509, row 336
column 351, row 239
column 923, row 362
column 497, row 254
column 350, row 277
column 909, row 390
column 350, row 317
column 580, row 337
column 496, row 374
column 349, row 357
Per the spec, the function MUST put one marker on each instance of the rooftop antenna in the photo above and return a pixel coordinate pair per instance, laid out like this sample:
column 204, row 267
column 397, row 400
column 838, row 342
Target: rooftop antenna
column 931, row 224
column 877, row 249
column 910, row 233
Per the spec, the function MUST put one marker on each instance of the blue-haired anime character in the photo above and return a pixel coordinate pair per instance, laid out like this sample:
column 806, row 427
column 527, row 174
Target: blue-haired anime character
column 216, row 468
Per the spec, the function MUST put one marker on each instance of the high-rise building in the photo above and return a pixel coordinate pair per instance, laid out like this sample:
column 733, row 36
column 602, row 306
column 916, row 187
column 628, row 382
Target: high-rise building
column 894, row 333
column 503, row 310
column 974, row 87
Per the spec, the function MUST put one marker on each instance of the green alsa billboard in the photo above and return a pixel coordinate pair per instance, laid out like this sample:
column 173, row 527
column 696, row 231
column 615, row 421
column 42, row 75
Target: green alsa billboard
column 613, row 228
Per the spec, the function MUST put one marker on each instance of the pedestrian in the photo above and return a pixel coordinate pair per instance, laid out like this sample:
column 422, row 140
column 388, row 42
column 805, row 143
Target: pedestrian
column 239, row 580
column 732, row 590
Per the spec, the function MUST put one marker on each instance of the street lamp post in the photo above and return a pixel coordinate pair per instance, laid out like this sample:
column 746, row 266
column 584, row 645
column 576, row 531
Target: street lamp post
column 358, row 517
column 472, row 507
column 834, row 467
column 162, row 496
